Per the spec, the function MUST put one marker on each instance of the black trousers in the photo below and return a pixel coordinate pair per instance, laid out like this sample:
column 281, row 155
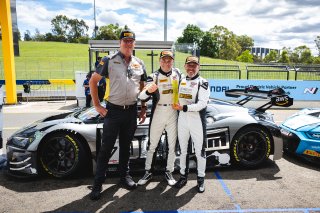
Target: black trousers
column 122, row 123
column 88, row 100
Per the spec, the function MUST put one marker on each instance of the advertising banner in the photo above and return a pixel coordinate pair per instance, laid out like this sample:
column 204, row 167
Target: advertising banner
column 299, row 90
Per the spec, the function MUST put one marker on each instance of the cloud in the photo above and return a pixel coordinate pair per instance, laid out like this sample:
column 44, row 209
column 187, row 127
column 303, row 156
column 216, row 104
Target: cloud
column 271, row 23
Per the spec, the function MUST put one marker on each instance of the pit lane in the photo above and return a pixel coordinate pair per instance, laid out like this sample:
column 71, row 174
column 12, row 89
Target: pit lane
column 287, row 185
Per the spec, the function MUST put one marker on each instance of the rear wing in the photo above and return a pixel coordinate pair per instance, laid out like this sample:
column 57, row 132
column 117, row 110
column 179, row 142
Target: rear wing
column 276, row 97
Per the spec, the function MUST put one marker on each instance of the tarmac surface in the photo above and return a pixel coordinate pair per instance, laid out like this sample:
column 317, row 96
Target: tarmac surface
column 286, row 185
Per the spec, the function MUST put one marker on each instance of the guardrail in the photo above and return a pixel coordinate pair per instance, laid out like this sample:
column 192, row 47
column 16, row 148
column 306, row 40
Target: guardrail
column 307, row 72
column 220, row 71
column 45, row 90
column 267, row 72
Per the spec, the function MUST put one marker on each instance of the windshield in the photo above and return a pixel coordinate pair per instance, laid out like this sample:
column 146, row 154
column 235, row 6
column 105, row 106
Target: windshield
column 88, row 115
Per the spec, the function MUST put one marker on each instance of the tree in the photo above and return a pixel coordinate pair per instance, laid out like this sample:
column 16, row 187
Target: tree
column 27, row 36
column 284, row 57
column 245, row 42
column 301, row 54
column 228, row 46
column 38, row 36
column 245, row 57
column 316, row 60
column 208, row 45
column 257, row 59
column 306, row 57
column 77, row 30
column 60, row 25
column 317, row 40
column 72, row 30
column 191, row 34
column 271, row 57
column 109, row 32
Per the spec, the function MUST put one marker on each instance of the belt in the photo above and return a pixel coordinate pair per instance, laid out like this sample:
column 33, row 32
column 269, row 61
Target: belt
column 124, row 107
column 164, row 104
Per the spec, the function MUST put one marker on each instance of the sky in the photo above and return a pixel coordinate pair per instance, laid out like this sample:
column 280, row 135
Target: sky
column 271, row 23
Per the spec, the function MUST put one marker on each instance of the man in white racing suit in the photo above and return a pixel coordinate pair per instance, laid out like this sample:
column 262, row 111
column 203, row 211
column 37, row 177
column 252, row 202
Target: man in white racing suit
column 162, row 86
column 193, row 99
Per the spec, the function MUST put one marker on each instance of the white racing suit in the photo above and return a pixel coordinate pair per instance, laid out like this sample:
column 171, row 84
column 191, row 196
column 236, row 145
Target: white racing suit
column 194, row 95
column 163, row 117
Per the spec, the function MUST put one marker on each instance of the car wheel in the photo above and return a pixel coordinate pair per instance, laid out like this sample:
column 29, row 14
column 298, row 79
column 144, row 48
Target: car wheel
column 61, row 155
column 250, row 147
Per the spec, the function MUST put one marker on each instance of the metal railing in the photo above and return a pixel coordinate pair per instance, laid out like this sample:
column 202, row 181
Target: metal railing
column 220, row 71
column 307, row 72
column 267, row 72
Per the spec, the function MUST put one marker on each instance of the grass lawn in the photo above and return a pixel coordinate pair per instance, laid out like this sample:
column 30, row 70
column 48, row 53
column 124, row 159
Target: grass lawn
column 44, row 60
column 55, row 60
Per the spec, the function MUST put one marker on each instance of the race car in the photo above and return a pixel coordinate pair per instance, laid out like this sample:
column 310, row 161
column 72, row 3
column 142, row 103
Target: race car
column 301, row 134
column 67, row 144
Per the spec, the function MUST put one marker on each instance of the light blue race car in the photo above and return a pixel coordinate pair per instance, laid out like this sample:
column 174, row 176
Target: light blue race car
column 301, row 134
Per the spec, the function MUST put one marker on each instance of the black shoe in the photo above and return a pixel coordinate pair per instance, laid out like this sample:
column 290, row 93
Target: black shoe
column 181, row 182
column 128, row 182
column 200, row 186
column 95, row 193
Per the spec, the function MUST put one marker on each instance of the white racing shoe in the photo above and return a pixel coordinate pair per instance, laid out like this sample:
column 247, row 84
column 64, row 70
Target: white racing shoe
column 147, row 176
column 171, row 181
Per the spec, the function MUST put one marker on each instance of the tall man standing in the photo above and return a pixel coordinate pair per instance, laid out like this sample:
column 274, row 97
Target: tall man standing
column 127, row 75
column 193, row 99
column 162, row 86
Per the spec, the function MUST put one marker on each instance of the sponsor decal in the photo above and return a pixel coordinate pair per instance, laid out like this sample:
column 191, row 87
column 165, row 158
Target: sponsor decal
column 312, row 90
column 193, row 84
column 101, row 63
column 185, row 96
column 183, row 83
column 311, row 153
column 128, row 34
column 284, row 101
column 135, row 66
column 219, row 88
column 167, row 91
column 116, row 62
column 163, row 80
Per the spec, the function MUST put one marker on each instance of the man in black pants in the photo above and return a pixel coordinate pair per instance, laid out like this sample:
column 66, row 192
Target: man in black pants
column 127, row 76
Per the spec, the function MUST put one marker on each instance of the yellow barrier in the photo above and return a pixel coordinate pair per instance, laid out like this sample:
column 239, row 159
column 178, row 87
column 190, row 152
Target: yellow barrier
column 62, row 81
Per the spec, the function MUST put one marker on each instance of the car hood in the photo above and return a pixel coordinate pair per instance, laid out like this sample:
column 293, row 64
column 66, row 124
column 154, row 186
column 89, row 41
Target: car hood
column 48, row 122
column 302, row 121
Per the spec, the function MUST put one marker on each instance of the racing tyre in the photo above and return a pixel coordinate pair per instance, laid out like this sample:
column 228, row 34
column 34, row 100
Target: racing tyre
column 250, row 147
column 61, row 155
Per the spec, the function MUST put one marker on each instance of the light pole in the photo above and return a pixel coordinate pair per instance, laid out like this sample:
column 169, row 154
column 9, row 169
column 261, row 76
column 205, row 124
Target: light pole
column 94, row 14
column 165, row 19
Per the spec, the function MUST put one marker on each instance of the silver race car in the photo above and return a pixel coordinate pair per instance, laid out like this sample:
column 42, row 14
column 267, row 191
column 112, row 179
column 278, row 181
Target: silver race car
column 66, row 144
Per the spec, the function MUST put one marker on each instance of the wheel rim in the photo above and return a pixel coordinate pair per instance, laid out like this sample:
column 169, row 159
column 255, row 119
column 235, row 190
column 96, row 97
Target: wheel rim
column 59, row 156
column 252, row 147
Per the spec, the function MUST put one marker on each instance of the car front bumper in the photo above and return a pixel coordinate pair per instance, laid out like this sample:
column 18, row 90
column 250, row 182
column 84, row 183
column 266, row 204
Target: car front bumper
column 296, row 142
column 21, row 162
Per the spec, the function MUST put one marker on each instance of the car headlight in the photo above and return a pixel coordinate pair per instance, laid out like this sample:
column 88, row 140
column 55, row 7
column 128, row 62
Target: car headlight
column 210, row 120
column 264, row 117
column 21, row 141
column 313, row 135
column 23, row 138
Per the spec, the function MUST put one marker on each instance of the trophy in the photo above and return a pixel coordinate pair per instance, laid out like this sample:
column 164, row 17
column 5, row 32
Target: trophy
column 175, row 97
